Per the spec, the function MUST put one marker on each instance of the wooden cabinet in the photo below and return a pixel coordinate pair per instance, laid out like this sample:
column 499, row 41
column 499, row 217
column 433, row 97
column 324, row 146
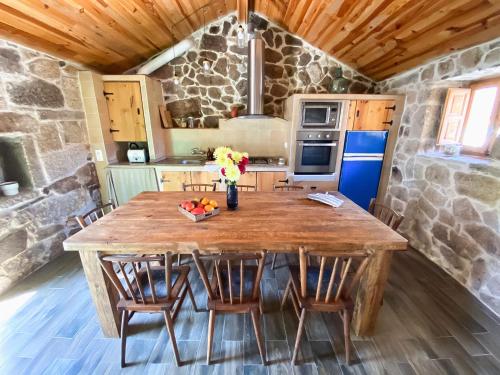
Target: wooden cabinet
column 126, row 114
column 317, row 186
column 266, row 180
column 249, row 178
column 370, row 114
column 207, row 178
column 172, row 181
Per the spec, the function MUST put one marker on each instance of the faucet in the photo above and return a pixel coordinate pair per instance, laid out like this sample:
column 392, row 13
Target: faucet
column 197, row 151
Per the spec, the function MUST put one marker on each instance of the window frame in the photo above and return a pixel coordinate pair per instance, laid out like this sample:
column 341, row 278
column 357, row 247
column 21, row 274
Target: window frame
column 494, row 124
column 494, row 119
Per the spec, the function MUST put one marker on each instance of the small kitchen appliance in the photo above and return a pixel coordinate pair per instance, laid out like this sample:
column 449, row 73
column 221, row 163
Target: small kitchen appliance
column 321, row 115
column 136, row 154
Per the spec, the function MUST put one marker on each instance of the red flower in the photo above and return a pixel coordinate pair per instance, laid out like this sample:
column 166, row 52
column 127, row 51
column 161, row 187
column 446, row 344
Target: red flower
column 223, row 171
column 230, row 156
column 245, row 161
column 242, row 168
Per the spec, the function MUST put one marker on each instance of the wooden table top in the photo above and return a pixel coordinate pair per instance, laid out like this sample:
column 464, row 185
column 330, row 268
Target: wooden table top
column 278, row 221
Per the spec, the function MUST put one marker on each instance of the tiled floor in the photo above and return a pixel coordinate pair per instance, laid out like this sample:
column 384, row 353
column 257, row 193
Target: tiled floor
column 428, row 325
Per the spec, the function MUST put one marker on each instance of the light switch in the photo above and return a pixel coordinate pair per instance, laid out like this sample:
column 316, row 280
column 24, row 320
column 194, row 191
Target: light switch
column 98, row 155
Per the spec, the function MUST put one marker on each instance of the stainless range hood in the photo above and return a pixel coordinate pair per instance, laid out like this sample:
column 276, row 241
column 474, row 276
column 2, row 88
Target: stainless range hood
column 255, row 81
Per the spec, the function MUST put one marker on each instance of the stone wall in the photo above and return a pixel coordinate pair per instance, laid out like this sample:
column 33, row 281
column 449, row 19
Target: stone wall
column 43, row 145
column 451, row 205
column 291, row 66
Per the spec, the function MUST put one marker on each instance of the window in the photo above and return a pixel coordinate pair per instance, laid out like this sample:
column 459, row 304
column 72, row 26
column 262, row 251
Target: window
column 471, row 117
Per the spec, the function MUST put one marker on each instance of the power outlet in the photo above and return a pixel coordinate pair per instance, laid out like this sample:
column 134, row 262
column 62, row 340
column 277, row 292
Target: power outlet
column 98, row 155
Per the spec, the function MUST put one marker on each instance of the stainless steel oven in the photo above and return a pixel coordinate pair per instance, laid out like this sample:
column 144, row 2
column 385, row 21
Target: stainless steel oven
column 316, row 152
column 321, row 115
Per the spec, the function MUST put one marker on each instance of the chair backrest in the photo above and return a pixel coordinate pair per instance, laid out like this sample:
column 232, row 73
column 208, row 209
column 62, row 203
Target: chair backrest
column 199, row 187
column 135, row 278
column 336, row 277
column 223, row 276
column 94, row 215
column 287, row 187
column 386, row 215
column 246, row 187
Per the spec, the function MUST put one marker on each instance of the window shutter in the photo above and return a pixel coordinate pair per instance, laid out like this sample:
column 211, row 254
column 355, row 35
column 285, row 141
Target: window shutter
column 453, row 117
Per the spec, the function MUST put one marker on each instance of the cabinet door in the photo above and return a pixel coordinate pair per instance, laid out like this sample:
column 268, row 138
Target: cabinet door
column 125, row 111
column 207, row 178
column 249, row 178
column 266, row 180
column 128, row 182
column 172, row 181
column 371, row 115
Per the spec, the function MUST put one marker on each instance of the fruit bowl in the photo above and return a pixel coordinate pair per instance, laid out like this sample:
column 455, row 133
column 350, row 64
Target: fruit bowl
column 198, row 210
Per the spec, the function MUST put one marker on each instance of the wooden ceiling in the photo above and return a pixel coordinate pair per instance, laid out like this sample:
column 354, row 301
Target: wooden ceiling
column 380, row 38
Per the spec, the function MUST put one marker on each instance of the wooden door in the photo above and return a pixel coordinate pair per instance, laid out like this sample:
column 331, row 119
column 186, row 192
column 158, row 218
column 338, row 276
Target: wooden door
column 249, row 178
column 266, row 180
column 371, row 114
column 125, row 111
column 207, row 178
column 172, row 181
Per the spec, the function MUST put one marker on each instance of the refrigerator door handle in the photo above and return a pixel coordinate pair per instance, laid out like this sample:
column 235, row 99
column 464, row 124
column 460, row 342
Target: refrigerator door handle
column 363, row 158
column 356, row 154
column 317, row 144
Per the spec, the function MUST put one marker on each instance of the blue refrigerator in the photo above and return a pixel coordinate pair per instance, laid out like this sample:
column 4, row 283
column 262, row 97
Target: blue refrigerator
column 362, row 165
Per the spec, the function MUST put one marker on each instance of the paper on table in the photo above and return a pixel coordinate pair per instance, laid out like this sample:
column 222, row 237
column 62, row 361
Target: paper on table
column 326, row 199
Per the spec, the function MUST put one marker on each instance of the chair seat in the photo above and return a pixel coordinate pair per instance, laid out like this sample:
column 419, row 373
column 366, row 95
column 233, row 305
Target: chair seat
column 179, row 279
column 312, row 282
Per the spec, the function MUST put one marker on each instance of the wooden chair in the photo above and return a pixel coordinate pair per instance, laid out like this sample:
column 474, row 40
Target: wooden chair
column 287, row 187
column 228, row 294
column 95, row 214
column 246, row 187
column 148, row 287
column 326, row 288
column 284, row 188
column 386, row 215
column 199, row 187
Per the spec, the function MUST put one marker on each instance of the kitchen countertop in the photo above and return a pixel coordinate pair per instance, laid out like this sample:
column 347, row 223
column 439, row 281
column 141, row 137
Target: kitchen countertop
column 203, row 167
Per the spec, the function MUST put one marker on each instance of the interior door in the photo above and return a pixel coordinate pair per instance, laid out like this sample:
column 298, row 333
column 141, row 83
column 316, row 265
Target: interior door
column 125, row 111
column 172, row 181
column 266, row 180
column 371, row 114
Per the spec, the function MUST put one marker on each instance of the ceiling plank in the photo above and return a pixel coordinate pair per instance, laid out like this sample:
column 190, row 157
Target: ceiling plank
column 242, row 10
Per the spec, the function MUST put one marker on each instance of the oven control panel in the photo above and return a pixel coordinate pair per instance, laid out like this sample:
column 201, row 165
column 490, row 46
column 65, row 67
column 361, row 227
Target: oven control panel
column 317, row 135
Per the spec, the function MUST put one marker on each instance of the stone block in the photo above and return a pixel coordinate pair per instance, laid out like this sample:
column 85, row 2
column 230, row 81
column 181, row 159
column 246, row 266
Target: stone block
column 63, row 186
column 438, row 174
column 464, row 210
column 13, row 243
column 215, row 43
column 492, row 58
column 10, row 61
column 62, row 163
column 73, row 132
column 35, row 92
column 477, row 186
column 48, row 138
column 485, row 237
column 17, row 122
column 427, row 208
column 478, row 273
column 61, row 115
column 185, row 108
column 435, row 197
column 45, row 68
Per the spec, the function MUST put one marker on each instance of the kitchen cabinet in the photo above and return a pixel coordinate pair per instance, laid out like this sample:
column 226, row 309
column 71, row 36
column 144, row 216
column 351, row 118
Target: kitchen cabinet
column 126, row 183
column 207, row 178
column 172, row 181
column 317, row 186
column 266, row 180
column 370, row 114
column 249, row 178
column 126, row 113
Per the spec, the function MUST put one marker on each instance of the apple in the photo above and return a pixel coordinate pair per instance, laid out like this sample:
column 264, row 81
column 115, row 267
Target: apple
column 189, row 206
column 198, row 211
column 184, row 203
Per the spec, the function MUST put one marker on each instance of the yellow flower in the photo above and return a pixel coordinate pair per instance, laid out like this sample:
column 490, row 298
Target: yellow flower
column 221, row 157
column 236, row 156
column 232, row 173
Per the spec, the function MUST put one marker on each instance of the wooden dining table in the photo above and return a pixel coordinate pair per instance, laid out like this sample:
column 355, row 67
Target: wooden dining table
column 279, row 222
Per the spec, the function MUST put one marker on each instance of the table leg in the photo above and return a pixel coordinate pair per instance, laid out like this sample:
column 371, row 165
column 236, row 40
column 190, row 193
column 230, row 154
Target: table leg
column 103, row 294
column 371, row 292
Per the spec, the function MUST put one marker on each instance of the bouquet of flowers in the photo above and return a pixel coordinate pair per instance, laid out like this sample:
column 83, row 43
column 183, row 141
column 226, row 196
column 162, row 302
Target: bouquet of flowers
column 233, row 163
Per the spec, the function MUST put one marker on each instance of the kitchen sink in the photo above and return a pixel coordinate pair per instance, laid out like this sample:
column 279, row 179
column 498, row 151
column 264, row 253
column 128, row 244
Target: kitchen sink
column 181, row 160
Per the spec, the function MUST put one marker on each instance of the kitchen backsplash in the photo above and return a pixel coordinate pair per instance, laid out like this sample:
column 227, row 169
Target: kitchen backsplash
column 258, row 138
column 291, row 66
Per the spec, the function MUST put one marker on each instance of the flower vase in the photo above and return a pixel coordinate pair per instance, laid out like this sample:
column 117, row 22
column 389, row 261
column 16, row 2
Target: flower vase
column 232, row 197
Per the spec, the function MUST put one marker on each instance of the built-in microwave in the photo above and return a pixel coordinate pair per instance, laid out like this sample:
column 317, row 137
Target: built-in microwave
column 324, row 115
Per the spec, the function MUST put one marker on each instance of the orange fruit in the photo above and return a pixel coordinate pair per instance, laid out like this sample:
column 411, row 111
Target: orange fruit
column 204, row 201
column 209, row 208
column 213, row 203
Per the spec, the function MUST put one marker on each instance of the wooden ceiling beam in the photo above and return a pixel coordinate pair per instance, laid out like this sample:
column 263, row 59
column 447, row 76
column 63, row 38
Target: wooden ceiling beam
column 242, row 10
